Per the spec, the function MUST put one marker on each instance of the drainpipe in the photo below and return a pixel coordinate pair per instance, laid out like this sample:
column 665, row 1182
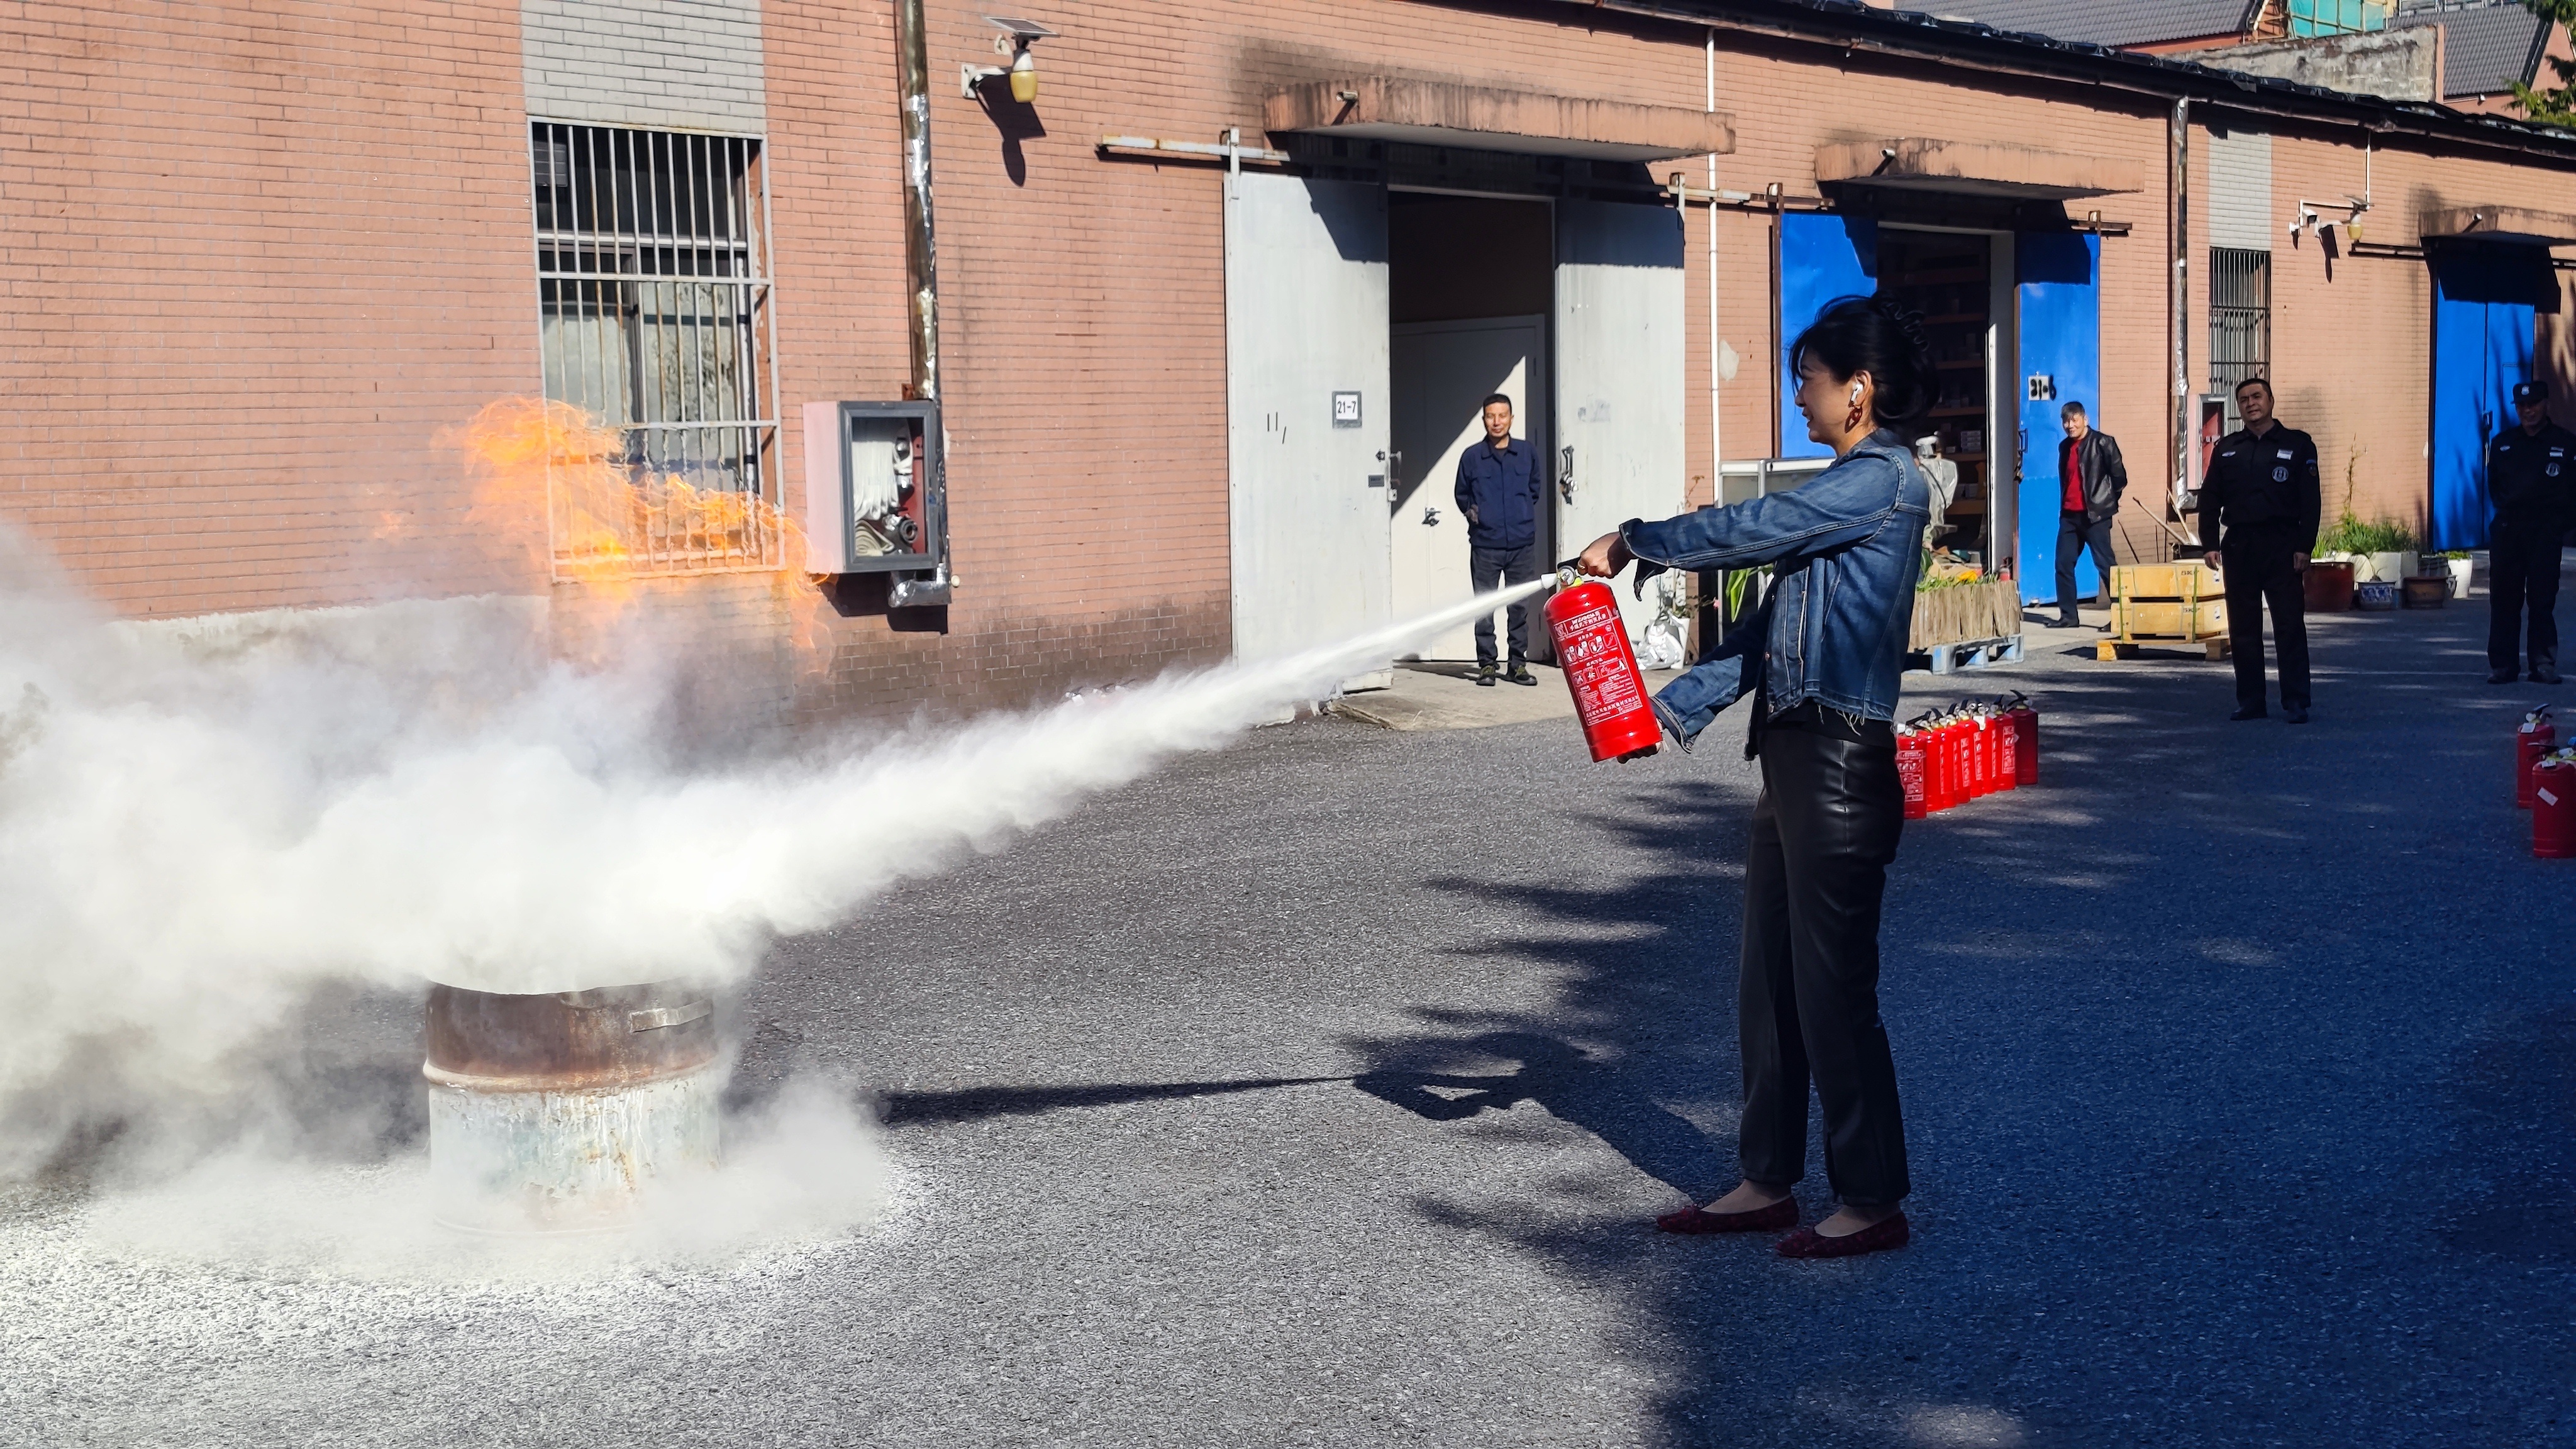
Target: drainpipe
column 920, row 255
column 1716, row 430
column 921, row 273
column 2177, row 289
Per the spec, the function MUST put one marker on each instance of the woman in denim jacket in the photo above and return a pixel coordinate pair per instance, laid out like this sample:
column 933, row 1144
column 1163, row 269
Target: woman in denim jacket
column 1845, row 549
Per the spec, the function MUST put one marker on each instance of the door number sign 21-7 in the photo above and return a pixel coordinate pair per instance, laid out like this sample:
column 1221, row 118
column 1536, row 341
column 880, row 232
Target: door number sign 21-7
column 1346, row 409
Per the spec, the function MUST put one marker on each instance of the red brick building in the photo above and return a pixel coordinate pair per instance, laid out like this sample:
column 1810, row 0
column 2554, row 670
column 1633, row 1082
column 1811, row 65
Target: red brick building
column 265, row 261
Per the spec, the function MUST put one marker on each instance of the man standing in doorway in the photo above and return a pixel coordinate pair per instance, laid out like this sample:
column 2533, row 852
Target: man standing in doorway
column 1500, row 485
column 2091, row 478
column 2258, row 519
column 2531, row 478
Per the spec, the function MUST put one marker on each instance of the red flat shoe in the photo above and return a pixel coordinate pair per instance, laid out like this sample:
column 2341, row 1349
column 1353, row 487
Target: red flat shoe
column 1889, row 1232
column 1781, row 1214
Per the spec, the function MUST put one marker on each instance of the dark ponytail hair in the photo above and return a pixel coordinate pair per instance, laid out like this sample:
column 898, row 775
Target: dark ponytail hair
column 1882, row 337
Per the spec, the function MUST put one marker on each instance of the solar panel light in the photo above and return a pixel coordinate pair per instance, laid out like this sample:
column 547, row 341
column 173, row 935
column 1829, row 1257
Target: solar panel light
column 1014, row 41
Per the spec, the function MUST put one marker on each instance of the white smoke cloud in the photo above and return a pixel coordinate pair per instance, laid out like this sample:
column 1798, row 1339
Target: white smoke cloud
column 197, row 832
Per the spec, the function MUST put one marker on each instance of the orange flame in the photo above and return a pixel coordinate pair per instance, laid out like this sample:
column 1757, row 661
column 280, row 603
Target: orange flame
column 613, row 522
column 612, row 519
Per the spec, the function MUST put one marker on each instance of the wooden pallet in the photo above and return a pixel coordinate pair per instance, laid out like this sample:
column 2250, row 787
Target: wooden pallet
column 2128, row 648
column 1974, row 653
column 2171, row 606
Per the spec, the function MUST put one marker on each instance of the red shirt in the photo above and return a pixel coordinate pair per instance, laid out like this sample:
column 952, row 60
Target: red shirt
column 2074, row 474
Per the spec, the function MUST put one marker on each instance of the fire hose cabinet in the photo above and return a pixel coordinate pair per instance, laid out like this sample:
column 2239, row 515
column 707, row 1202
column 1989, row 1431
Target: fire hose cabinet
column 876, row 496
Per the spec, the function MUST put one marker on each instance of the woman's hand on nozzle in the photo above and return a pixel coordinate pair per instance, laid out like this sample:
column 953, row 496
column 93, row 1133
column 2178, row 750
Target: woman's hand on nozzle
column 1607, row 555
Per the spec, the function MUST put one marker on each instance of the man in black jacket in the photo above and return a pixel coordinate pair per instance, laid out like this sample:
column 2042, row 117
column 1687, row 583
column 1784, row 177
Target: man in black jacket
column 2531, row 479
column 2091, row 478
column 2258, row 519
column 1500, row 485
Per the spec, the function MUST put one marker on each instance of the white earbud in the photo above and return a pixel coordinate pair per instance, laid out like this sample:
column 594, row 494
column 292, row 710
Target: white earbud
column 1855, row 394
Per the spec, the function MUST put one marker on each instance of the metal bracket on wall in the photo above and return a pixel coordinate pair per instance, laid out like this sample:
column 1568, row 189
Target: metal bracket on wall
column 1231, row 151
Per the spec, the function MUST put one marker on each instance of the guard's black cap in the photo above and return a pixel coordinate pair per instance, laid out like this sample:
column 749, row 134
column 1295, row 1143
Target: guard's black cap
column 2529, row 392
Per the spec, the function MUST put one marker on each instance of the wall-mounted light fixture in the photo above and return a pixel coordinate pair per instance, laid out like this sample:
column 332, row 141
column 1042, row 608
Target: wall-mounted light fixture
column 1014, row 42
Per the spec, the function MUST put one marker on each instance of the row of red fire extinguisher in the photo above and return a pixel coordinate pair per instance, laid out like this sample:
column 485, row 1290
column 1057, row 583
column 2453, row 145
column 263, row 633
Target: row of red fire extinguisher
column 1974, row 748
column 2544, row 774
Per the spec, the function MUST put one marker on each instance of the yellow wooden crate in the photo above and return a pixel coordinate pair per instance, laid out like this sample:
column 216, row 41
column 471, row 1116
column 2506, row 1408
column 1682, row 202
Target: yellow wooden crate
column 2165, row 581
column 2132, row 618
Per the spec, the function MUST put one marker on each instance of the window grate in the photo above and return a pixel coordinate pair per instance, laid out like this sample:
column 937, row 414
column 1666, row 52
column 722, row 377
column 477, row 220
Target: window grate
column 653, row 313
column 2338, row 17
column 2240, row 321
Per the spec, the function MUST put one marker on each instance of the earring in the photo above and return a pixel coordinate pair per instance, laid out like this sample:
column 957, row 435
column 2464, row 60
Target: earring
column 1851, row 422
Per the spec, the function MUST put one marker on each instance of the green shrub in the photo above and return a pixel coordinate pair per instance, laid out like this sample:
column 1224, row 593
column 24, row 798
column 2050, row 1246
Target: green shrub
column 2350, row 535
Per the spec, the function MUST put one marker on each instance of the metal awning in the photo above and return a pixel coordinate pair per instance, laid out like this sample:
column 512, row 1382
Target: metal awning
column 1484, row 118
column 2018, row 173
column 2500, row 224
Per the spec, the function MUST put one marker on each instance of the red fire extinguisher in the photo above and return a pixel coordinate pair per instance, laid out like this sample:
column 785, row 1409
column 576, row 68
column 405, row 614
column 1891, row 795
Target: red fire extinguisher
column 1601, row 669
column 2537, row 735
column 2553, row 806
column 1910, row 771
column 1954, row 787
column 1981, row 740
column 1963, row 758
column 2002, row 746
column 2025, row 740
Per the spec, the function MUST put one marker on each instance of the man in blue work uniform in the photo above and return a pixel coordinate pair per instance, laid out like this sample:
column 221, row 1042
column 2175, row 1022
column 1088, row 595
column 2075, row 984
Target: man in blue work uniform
column 2531, row 479
column 1500, row 484
column 2259, row 509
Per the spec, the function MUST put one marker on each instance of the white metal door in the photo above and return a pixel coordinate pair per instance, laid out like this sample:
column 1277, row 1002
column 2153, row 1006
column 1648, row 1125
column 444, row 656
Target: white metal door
column 1306, row 385
column 1618, row 373
column 1443, row 372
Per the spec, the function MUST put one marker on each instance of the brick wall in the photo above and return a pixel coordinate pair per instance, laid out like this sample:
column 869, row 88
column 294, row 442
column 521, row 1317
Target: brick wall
column 261, row 258
column 257, row 259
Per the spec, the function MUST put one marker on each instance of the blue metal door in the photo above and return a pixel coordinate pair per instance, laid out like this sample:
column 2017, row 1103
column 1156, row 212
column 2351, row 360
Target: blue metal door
column 2484, row 303
column 2059, row 278
column 1822, row 256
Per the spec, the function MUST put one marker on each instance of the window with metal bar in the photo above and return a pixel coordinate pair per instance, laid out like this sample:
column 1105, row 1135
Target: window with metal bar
column 2338, row 17
column 653, row 302
column 2240, row 321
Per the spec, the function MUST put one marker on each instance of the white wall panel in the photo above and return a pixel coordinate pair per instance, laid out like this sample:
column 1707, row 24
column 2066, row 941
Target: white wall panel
column 2239, row 208
column 1619, row 372
column 1305, row 309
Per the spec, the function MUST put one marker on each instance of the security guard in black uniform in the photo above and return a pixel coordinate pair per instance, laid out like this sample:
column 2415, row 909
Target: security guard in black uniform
column 2258, row 516
column 2531, row 479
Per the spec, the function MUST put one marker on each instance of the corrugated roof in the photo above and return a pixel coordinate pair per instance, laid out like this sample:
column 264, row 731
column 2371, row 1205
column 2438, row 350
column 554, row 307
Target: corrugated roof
column 2103, row 22
column 2485, row 48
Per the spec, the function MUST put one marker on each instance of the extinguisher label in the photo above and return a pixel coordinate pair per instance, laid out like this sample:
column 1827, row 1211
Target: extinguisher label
column 1909, row 770
column 1603, row 684
column 2545, row 797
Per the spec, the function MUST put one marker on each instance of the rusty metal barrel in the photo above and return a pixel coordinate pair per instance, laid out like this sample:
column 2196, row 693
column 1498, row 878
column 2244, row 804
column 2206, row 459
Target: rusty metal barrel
column 558, row 1113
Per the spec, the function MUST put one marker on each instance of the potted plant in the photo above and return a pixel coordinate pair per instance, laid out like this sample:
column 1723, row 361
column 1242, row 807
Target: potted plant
column 2463, row 570
column 2382, row 550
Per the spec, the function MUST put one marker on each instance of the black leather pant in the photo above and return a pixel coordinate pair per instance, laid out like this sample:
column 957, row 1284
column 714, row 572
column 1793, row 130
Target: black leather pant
column 2258, row 572
column 1824, row 832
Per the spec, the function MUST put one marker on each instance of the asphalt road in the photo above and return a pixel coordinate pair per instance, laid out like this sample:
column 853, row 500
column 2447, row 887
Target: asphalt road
column 1320, row 1092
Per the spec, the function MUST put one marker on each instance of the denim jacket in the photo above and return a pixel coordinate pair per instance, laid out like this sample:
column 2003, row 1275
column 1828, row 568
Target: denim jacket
column 1845, row 549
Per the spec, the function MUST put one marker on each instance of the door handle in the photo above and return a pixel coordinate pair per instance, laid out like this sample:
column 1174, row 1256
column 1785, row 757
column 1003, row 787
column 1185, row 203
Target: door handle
column 1431, row 518
column 1565, row 472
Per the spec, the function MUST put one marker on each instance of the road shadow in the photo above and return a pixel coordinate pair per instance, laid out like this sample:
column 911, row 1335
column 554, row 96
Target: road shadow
column 2158, row 1022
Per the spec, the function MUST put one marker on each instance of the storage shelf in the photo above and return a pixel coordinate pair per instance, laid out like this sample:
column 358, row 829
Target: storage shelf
column 1978, row 411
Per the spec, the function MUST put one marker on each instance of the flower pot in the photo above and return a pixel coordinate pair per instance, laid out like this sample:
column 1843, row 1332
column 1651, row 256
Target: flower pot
column 2329, row 585
column 2383, row 568
column 2427, row 591
column 2463, row 572
column 2376, row 594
